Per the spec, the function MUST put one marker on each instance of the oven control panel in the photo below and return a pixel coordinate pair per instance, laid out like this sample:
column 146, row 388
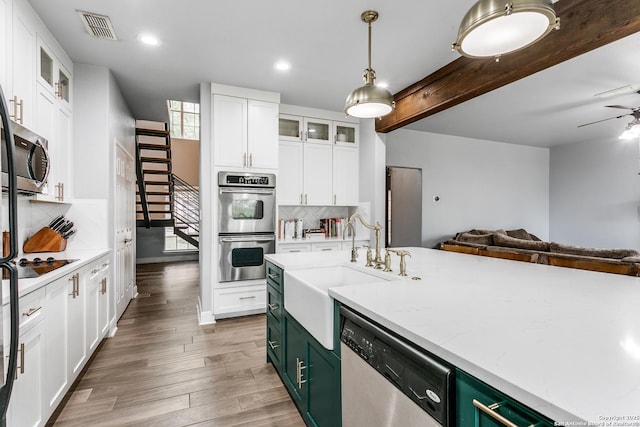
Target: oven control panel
column 245, row 179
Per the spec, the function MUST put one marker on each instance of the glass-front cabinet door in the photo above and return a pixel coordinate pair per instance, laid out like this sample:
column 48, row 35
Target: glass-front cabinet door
column 317, row 130
column 290, row 128
column 63, row 85
column 346, row 134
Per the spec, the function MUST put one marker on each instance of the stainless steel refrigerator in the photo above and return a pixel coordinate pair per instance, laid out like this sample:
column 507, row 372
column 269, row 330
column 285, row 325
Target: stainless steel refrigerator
column 7, row 267
column 404, row 207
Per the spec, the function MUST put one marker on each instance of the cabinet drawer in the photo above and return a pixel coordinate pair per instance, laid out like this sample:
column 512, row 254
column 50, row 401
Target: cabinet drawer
column 274, row 276
column 30, row 312
column 326, row 246
column 239, row 299
column 294, row 247
column 478, row 404
column 274, row 306
column 274, row 344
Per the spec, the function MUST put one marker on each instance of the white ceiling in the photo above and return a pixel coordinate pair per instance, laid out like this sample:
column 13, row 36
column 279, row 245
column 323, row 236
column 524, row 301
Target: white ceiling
column 237, row 43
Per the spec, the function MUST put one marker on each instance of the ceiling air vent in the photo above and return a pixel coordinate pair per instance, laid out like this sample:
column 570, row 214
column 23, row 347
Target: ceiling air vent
column 98, row 26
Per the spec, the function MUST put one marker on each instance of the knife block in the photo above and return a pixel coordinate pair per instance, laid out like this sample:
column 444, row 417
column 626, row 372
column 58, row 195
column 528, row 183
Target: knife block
column 45, row 240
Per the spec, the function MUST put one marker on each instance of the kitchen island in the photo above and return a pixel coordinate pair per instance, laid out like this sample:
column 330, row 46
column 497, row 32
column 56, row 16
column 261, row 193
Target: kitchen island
column 564, row 342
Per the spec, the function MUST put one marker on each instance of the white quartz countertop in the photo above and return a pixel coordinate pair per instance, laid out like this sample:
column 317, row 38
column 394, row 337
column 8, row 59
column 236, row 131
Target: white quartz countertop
column 564, row 342
column 26, row 286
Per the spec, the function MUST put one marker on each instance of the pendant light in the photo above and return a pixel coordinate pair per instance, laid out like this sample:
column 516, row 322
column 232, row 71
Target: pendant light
column 369, row 101
column 492, row 28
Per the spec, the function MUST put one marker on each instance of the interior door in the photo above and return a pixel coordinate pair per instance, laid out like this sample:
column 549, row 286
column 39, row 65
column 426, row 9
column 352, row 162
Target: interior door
column 124, row 228
column 404, row 207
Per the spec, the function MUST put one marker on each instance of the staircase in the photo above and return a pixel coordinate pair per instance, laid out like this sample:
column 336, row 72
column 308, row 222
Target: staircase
column 157, row 202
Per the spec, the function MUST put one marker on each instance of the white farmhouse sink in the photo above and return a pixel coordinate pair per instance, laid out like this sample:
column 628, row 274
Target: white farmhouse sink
column 307, row 299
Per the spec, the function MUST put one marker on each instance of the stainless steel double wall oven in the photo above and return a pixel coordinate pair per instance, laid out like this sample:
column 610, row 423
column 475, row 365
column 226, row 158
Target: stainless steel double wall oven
column 246, row 224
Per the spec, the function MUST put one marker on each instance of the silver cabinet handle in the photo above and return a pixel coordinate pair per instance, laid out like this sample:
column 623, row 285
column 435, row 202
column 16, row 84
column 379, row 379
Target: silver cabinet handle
column 334, row 199
column 126, row 241
column 75, row 292
column 251, row 297
column 301, row 201
column 273, row 307
column 273, row 345
column 31, row 311
column 104, row 286
column 244, row 160
column 21, row 367
column 274, row 276
column 250, row 160
column 489, row 410
column 305, row 199
column 95, row 270
column 299, row 376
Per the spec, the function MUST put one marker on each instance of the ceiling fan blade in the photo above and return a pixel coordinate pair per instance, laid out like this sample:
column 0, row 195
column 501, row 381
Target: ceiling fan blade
column 604, row 120
column 624, row 107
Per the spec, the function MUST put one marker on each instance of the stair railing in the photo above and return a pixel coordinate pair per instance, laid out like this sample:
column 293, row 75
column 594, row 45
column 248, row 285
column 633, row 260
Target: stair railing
column 186, row 208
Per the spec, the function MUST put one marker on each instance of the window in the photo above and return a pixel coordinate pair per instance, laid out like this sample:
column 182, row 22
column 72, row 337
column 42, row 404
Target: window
column 184, row 119
column 173, row 243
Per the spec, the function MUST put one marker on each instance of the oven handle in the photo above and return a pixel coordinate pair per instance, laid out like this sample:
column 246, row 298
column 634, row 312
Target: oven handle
column 247, row 239
column 268, row 191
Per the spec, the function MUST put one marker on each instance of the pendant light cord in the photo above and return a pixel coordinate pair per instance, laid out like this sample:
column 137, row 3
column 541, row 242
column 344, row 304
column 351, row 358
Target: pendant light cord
column 369, row 46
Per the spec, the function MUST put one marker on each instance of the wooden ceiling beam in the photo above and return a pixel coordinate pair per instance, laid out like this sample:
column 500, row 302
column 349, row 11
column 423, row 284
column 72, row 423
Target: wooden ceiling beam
column 585, row 25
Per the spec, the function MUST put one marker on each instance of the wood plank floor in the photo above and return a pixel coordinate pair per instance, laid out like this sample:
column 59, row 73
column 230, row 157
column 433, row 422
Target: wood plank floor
column 163, row 369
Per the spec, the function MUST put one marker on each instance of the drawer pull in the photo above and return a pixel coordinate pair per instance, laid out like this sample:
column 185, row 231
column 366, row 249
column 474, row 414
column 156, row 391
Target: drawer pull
column 95, row 270
column 251, row 297
column 489, row 410
column 31, row 311
column 273, row 345
column 274, row 276
column 273, row 307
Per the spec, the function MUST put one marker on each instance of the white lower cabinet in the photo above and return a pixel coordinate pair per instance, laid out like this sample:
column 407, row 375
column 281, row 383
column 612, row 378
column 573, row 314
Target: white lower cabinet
column 103, row 304
column 92, row 278
column 26, row 407
column 56, row 370
column 76, row 348
column 61, row 324
column 239, row 299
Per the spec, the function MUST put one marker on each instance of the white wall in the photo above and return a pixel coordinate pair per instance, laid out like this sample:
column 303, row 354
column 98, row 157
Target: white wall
column 481, row 184
column 595, row 194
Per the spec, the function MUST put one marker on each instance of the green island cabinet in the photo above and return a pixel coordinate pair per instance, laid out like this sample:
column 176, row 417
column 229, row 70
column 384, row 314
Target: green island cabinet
column 310, row 372
column 479, row 405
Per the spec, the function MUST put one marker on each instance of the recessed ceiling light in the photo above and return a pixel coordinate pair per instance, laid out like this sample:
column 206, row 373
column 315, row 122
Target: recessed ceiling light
column 282, row 66
column 149, row 39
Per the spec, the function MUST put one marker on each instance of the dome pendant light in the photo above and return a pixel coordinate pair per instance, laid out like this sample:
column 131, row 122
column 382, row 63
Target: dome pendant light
column 492, row 28
column 369, row 101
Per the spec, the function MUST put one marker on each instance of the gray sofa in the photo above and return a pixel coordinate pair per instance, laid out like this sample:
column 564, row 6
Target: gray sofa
column 520, row 245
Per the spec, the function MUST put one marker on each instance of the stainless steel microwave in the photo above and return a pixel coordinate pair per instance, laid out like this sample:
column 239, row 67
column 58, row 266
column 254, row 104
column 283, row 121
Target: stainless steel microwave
column 32, row 160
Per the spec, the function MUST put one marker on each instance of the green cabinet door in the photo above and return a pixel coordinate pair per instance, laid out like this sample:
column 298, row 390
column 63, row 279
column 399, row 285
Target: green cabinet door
column 324, row 397
column 480, row 405
column 294, row 365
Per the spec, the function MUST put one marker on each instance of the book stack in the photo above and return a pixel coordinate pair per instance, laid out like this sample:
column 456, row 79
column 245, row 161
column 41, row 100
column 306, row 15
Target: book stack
column 289, row 229
column 333, row 227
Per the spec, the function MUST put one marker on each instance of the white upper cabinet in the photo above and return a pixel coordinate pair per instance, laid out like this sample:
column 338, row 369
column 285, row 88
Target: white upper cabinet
column 290, row 188
column 5, row 47
column 290, row 128
column 262, row 144
column 346, row 175
column 317, row 131
column 319, row 161
column 23, row 71
column 347, row 134
column 245, row 133
column 229, row 131
column 317, row 174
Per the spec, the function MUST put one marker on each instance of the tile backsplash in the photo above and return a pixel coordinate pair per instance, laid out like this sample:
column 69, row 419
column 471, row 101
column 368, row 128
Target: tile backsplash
column 89, row 217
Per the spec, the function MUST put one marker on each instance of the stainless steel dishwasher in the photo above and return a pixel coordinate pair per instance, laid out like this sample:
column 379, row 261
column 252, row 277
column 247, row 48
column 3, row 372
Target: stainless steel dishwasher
column 387, row 381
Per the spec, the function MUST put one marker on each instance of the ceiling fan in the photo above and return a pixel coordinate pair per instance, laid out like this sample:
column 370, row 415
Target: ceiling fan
column 633, row 127
column 635, row 113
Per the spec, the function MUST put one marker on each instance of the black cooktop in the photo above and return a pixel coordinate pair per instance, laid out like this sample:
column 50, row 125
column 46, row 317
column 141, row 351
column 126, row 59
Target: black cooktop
column 36, row 267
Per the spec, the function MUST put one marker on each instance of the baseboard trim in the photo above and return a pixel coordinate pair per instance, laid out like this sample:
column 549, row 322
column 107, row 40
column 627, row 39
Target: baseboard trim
column 204, row 317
